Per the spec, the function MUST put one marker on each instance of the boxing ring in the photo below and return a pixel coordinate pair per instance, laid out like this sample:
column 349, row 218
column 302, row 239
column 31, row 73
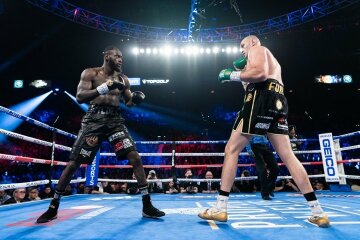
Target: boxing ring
column 118, row 216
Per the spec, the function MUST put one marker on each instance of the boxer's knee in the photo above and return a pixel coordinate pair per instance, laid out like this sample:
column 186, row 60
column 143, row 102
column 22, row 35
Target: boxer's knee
column 135, row 159
column 230, row 150
column 73, row 166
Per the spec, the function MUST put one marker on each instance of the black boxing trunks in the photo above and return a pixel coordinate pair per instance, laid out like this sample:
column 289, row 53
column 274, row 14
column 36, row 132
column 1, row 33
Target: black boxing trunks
column 265, row 109
column 101, row 123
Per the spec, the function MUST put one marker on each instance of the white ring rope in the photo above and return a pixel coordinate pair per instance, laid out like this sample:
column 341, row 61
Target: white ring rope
column 38, row 123
column 33, row 140
column 349, row 176
column 199, row 180
column 65, row 148
column 350, row 148
column 348, row 134
column 34, row 183
column 34, row 122
column 141, row 154
column 43, row 182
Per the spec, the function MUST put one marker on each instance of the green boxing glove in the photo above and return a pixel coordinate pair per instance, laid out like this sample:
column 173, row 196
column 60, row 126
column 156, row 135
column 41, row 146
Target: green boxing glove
column 240, row 63
column 229, row 74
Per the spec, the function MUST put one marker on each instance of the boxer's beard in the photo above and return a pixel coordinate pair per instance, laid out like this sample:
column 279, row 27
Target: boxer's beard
column 113, row 66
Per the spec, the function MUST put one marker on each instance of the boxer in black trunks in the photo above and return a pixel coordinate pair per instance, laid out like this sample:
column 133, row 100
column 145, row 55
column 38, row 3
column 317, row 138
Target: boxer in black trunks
column 104, row 87
column 264, row 113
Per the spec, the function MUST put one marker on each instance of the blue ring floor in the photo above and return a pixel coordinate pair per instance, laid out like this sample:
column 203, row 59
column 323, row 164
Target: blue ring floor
column 118, row 216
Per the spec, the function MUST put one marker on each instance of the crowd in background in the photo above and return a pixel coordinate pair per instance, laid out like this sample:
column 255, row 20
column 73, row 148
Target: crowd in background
column 16, row 171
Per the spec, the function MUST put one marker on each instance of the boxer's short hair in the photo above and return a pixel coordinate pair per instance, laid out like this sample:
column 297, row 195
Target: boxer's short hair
column 109, row 48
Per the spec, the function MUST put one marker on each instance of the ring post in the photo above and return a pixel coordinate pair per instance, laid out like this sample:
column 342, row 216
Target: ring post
column 173, row 168
column 52, row 149
column 339, row 158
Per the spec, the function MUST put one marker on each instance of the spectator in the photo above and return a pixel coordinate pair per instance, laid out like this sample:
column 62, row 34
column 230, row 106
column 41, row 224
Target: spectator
column 319, row 186
column 34, row 194
column 189, row 186
column 88, row 190
column 106, row 186
column 3, row 196
column 123, row 187
column 209, row 186
column 81, row 188
column 286, row 185
column 171, row 188
column 246, row 186
column 154, row 187
column 102, row 188
column 293, row 136
column 18, row 196
column 46, row 192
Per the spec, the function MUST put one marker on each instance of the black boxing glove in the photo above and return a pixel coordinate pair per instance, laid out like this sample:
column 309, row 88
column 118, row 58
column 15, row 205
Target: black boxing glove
column 137, row 97
column 110, row 85
column 118, row 85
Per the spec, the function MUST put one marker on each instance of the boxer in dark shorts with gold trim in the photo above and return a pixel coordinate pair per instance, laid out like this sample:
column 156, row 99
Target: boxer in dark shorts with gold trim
column 265, row 109
column 264, row 112
column 104, row 87
column 102, row 123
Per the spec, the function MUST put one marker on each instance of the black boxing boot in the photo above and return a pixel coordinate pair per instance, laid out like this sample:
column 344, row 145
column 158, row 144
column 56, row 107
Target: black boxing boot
column 51, row 213
column 265, row 196
column 149, row 211
column 271, row 188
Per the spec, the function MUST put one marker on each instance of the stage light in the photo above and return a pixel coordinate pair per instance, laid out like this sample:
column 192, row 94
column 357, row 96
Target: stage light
column 167, row 50
column 188, row 50
column 76, row 11
column 18, row 83
column 215, row 50
column 171, row 116
column 10, row 123
column 83, row 106
column 195, row 50
column 56, row 89
column 39, row 83
column 135, row 51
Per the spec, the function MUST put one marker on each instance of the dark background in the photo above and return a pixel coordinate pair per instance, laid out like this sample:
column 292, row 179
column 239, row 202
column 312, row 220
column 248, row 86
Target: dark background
column 38, row 45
